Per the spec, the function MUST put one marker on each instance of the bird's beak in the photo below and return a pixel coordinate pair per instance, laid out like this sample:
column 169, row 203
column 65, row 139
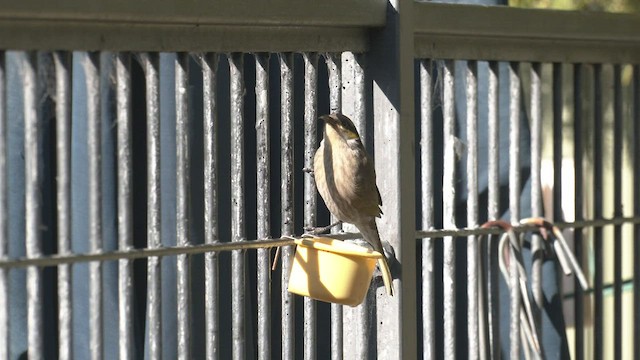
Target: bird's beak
column 328, row 119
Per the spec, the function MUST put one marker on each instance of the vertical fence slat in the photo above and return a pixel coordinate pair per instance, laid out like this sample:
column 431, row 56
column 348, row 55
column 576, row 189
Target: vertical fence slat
column 536, row 188
column 636, row 210
column 493, row 114
column 558, row 134
column 494, row 209
column 236, row 63
column 514, row 142
column 472, row 208
column 125, row 224
column 353, row 88
column 287, row 228
column 150, row 65
column 4, row 241
column 94, row 137
column 334, row 65
column 63, row 198
column 449, row 212
column 579, row 204
column 32, row 202
column 514, row 199
column 426, row 166
column 263, row 213
column 210, row 124
column 618, row 137
column 598, row 321
column 310, row 199
column 183, row 298
column 557, row 141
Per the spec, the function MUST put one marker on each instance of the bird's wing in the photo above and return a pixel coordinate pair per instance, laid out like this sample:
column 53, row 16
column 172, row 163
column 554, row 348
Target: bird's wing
column 368, row 195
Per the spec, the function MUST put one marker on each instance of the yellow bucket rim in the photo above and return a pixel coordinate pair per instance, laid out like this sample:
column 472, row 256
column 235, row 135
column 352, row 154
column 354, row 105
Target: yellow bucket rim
column 338, row 247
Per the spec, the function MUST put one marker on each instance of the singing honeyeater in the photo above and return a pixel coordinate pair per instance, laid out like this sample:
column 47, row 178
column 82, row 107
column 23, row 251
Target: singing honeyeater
column 346, row 180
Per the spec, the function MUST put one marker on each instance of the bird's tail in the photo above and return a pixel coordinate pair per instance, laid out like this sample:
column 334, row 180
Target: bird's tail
column 370, row 233
column 386, row 274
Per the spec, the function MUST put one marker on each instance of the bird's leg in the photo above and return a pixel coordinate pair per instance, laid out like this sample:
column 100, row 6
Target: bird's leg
column 308, row 170
column 321, row 230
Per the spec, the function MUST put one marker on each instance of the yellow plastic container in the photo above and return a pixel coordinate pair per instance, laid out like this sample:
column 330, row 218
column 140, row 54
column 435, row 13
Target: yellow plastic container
column 332, row 270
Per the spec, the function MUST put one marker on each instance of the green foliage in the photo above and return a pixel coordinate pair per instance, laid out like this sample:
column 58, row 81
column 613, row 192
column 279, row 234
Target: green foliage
column 625, row 6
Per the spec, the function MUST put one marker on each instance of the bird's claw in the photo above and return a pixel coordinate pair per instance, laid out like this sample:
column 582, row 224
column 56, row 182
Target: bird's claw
column 377, row 273
column 308, row 170
column 389, row 252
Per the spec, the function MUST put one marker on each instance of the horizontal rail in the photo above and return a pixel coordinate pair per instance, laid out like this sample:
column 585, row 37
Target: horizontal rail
column 55, row 260
column 94, row 36
column 173, row 25
column 365, row 13
column 524, row 228
column 471, row 32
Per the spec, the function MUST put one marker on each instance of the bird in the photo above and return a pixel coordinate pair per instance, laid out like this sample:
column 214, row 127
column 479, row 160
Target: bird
column 346, row 180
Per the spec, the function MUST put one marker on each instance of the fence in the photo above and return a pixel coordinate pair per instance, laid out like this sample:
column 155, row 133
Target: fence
column 137, row 134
